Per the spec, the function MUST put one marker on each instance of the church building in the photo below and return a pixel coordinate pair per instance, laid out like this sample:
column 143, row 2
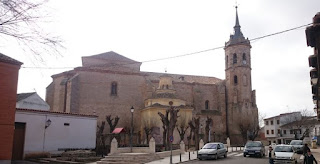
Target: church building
column 110, row 84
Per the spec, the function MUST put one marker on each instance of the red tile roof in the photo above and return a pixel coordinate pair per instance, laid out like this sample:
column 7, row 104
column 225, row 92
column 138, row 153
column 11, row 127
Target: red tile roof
column 53, row 112
column 118, row 130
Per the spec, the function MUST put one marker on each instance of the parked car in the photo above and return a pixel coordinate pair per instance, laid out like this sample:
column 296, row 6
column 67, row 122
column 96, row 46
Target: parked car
column 285, row 154
column 298, row 146
column 212, row 151
column 254, row 148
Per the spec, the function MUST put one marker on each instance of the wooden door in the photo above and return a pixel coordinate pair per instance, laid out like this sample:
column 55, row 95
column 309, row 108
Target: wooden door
column 18, row 141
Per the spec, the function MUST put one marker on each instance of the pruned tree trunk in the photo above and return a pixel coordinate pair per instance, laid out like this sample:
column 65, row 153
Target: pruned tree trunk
column 168, row 125
column 112, row 124
column 172, row 123
column 182, row 131
column 207, row 129
column 195, row 124
column 165, row 125
column 147, row 131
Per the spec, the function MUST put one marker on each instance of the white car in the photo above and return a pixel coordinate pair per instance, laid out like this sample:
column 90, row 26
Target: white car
column 212, row 151
column 285, row 154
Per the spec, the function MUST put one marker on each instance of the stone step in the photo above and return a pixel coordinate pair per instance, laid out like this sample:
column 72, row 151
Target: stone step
column 108, row 162
column 130, row 158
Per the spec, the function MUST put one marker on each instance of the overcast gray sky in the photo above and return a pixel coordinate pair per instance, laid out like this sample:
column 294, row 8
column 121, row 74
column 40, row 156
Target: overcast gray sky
column 150, row 29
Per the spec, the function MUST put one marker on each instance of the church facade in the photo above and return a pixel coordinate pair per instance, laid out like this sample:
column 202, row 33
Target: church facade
column 110, row 84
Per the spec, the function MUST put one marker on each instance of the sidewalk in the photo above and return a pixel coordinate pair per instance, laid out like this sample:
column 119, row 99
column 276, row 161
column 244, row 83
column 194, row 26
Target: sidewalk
column 316, row 153
column 176, row 158
column 193, row 156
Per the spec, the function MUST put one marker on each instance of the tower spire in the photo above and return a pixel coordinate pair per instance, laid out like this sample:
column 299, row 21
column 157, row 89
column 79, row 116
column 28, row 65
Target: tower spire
column 237, row 37
column 237, row 27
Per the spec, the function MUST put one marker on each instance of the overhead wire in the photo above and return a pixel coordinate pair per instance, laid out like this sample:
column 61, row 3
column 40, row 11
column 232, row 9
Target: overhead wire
column 187, row 54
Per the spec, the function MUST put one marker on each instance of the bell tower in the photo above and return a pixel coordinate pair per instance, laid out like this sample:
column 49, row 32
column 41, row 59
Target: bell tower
column 240, row 97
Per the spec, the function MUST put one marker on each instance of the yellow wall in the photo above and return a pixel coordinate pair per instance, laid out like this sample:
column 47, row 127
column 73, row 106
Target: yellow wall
column 150, row 118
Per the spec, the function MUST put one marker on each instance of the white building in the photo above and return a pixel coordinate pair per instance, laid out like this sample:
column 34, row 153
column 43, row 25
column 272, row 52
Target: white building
column 45, row 131
column 273, row 127
column 31, row 101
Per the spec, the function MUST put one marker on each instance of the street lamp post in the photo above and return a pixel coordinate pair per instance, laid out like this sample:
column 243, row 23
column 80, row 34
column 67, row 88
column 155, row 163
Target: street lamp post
column 131, row 131
column 214, row 136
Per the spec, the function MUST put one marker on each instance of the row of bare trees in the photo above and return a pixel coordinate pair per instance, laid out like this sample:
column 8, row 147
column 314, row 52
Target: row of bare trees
column 101, row 137
column 169, row 120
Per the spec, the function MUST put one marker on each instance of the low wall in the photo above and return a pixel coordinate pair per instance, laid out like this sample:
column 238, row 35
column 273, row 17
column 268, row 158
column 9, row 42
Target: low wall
column 167, row 153
column 135, row 150
column 115, row 150
column 151, row 149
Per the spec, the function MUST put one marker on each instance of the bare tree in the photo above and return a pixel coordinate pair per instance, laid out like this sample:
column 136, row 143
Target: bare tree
column 261, row 116
column 148, row 127
column 244, row 126
column 169, row 123
column 20, row 20
column 112, row 124
column 207, row 129
column 195, row 125
column 101, row 138
column 165, row 125
column 296, row 121
column 249, row 129
column 182, row 127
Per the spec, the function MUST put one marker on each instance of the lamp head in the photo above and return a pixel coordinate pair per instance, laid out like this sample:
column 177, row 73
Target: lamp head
column 48, row 123
column 132, row 109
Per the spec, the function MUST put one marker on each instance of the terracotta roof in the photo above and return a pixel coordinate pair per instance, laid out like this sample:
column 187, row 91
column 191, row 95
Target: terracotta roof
column 112, row 56
column 184, row 78
column 22, row 96
column 52, row 112
column 7, row 59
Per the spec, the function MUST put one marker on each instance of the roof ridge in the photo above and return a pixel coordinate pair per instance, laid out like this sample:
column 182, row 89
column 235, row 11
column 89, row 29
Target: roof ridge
column 55, row 112
column 7, row 59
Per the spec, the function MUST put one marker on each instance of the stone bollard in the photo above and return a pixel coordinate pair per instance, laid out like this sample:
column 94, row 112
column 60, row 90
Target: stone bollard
column 114, row 146
column 201, row 144
column 152, row 145
column 228, row 142
column 182, row 147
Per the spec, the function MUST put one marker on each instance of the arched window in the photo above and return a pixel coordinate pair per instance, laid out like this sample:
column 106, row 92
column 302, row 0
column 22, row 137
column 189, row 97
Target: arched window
column 235, row 80
column 114, row 87
column 234, row 58
column 207, row 104
column 244, row 58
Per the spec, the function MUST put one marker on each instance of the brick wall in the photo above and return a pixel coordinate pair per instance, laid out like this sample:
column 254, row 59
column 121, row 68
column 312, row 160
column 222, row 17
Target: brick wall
column 8, row 94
